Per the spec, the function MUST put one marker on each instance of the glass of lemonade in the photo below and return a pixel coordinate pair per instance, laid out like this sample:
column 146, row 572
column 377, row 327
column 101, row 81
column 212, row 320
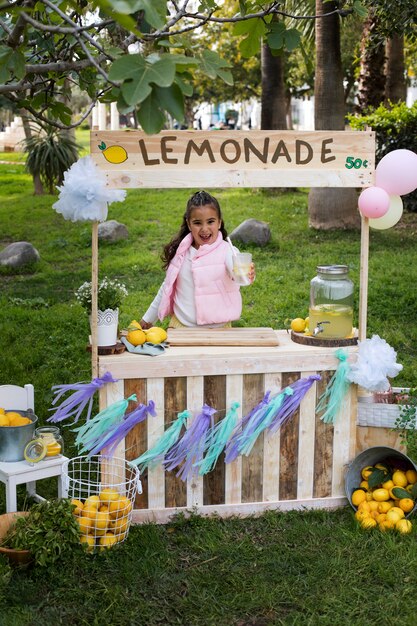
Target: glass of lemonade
column 331, row 302
column 241, row 267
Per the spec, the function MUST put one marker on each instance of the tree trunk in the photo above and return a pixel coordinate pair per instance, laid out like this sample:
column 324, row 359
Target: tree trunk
column 395, row 86
column 38, row 189
column 371, row 88
column 273, row 99
column 330, row 208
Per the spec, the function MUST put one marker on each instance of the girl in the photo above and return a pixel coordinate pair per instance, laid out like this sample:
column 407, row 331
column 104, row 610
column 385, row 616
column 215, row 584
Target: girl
column 199, row 288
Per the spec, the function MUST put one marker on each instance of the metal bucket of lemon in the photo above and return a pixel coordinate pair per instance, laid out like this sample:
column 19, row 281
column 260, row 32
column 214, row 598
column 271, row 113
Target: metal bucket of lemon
column 16, row 430
column 381, row 486
column 103, row 491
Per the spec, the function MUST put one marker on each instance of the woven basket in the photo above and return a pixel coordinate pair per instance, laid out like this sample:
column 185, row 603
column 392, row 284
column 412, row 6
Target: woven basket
column 379, row 414
column 17, row 557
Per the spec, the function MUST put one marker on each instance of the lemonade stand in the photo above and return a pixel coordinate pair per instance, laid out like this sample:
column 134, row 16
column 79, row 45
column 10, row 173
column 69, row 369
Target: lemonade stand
column 302, row 463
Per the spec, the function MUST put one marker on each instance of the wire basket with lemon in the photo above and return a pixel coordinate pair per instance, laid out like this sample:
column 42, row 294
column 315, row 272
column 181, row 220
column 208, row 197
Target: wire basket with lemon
column 103, row 492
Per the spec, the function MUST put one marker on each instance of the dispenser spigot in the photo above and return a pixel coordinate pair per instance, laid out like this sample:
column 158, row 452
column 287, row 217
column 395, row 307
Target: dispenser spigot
column 319, row 328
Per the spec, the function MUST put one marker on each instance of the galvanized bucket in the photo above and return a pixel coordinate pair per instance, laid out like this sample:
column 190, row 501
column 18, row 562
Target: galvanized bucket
column 377, row 454
column 13, row 439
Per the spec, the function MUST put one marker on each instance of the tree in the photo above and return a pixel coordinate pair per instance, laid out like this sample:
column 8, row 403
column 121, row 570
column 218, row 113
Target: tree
column 135, row 52
column 330, row 207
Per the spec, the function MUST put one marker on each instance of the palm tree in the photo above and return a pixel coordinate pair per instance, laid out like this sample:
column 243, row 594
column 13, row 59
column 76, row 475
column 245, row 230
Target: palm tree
column 330, row 208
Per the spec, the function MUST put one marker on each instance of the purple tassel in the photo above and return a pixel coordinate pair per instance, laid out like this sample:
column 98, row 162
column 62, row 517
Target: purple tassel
column 189, row 450
column 112, row 438
column 76, row 403
column 292, row 402
column 233, row 447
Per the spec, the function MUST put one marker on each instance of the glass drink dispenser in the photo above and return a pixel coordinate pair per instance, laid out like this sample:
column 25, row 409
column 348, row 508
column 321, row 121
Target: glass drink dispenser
column 331, row 303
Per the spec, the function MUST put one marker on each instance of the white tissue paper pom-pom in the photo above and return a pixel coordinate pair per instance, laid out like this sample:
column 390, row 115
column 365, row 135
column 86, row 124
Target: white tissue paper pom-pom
column 84, row 195
column 376, row 360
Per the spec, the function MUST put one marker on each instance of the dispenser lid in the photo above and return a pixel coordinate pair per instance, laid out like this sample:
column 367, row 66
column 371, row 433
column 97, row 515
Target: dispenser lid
column 333, row 269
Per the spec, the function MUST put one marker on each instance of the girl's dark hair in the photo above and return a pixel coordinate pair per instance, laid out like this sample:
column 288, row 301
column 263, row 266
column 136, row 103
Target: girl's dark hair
column 201, row 198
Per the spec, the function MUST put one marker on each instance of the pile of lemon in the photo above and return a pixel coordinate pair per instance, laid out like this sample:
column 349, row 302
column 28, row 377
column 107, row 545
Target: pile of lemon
column 103, row 518
column 136, row 335
column 12, row 418
column 386, row 504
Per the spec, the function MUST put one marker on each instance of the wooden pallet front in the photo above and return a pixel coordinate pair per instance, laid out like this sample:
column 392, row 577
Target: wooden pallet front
column 302, row 465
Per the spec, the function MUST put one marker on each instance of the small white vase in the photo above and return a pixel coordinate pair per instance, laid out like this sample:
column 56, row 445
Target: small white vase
column 107, row 326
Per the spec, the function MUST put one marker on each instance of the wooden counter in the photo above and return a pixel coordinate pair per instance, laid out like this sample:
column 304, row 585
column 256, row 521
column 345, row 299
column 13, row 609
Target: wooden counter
column 300, row 466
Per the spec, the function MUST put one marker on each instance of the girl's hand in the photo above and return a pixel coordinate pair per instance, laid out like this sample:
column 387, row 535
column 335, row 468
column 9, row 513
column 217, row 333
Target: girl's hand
column 145, row 325
column 252, row 273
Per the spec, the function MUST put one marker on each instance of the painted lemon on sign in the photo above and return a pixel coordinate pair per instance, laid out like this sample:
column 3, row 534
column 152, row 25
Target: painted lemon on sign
column 113, row 154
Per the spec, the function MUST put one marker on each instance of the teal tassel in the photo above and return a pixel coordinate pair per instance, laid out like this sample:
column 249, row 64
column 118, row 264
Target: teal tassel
column 332, row 399
column 218, row 439
column 100, row 425
column 155, row 455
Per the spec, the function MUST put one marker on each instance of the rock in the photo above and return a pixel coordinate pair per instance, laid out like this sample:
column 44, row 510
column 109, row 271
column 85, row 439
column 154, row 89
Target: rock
column 252, row 231
column 18, row 254
column 112, row 231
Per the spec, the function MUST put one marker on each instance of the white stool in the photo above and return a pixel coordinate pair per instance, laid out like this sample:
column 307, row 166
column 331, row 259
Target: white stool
column 13, row 474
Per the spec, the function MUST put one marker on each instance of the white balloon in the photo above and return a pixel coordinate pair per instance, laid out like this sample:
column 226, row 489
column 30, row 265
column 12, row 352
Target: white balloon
column 391, row 217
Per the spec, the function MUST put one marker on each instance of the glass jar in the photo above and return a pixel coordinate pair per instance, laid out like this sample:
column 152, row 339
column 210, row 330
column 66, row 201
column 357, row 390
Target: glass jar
column 331, row 302
column 52, row 438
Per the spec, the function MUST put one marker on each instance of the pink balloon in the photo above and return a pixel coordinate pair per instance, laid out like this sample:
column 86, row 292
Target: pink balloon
column 391, row 217
column 397, row 172
column 373, row 202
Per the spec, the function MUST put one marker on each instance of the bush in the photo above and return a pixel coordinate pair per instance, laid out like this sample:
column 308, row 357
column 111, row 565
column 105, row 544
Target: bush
column 50, row 153
column 395, row 127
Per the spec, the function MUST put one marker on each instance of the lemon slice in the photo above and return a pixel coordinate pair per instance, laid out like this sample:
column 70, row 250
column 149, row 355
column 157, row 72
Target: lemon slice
column 35, row 451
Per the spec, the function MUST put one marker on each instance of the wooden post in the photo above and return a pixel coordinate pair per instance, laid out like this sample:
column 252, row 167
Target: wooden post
column 94, row 299
column 363, row 278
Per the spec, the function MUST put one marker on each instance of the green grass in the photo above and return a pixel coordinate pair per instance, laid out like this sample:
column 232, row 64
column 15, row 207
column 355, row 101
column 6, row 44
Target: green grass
column 295, row 568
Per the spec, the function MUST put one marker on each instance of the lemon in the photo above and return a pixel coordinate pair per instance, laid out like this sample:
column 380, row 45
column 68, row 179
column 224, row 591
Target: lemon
column 134, row 325
column 120, row 526
column 398, row 510
column 107, row 541
column 108, row 495
column 384, row 507
column 298, row 325
column 4, row 420
column 52, row 449
column 155, row 334
column 406, row 504
column 136, row 337
column 364, row 506
column 90, row 511
column 368, row 522
column 19, row 420
column 366, row 472
column 88, row 541
column 373, row 505
column 120, row 507
column 404, row 526
column 388, row 485
column 85, row 524
column 78, row 506
column 399, row 479
column 361, row 515
column 2, row 411
column 411, row 476
column 386, row 525
column 102, row 520
column 380, row 495
column 113, row 154
column 93, row 501
column 393, row 516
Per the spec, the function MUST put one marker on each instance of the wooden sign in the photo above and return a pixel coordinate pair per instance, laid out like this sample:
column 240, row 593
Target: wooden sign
column 132, row 159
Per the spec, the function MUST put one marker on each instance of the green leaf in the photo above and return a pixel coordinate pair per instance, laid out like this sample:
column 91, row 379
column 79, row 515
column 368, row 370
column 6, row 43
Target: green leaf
column 150, row 116
column 138, row 75
column 171, row 99
column 214, row 66
column 126, row 67
column 186, row 87
column 292, row 39
column 399, row 493
column 359, row 9
column 413, row 492
column 377, row 477
column 256, row 29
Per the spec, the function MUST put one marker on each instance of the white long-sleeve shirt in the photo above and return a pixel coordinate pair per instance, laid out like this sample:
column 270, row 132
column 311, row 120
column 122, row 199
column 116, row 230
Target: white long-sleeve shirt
column 184, row 303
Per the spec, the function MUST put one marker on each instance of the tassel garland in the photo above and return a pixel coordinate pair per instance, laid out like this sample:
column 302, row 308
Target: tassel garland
column 217, row 440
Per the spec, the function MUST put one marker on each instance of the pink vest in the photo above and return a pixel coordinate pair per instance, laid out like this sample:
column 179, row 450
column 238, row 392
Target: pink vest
column 217, row 296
